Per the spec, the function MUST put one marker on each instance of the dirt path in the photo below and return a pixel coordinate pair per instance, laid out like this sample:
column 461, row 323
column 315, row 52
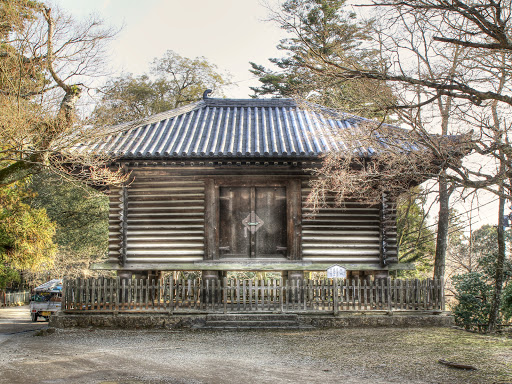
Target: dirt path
column 373, row 355
column 17, row 319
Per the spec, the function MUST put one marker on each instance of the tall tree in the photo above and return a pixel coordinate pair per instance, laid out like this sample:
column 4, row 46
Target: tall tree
column 80, row 215
column 44, row 59
column 324, row 26
column 173, row 81
column 26, row 234
column 479, row 85
column 415, row 238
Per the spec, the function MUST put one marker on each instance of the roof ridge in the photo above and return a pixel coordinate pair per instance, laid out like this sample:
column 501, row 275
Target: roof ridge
column 277, row 102
column 157, row 117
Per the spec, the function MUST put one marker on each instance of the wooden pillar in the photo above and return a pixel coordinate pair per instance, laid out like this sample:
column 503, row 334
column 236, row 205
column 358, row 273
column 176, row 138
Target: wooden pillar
column 122, row 295
column 213, row 278
column 381, row 274
column 294, row 275
column 296, row 283
column 124, row 275
column 294, row 219
column 211, row 218
column 123, row 226
column 154, row 275
column 355, row 277
column 140, row 275
column 367, row 275
column 211, row 275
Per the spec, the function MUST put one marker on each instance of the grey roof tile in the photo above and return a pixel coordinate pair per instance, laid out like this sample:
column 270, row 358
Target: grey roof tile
column 223, row 128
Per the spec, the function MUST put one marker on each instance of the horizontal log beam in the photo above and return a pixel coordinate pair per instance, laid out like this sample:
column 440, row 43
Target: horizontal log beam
column 248, row 266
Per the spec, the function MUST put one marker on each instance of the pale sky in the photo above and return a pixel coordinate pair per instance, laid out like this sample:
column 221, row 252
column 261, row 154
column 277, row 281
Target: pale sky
column 229, row 33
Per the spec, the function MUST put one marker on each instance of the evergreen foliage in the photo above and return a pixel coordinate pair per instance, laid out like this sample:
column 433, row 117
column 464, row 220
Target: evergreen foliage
column 474, row 289
column 326, row 28
column 416, row 240
column 81, row 218
column 474, row 300
column 26, row 234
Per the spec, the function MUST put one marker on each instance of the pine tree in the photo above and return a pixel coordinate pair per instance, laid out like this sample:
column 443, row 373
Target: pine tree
column 327, row 29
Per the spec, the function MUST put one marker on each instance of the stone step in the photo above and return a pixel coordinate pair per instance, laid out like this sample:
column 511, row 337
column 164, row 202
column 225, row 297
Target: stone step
column 251, row 324
column 252, row 317
column 252, row 321
column 238, row 328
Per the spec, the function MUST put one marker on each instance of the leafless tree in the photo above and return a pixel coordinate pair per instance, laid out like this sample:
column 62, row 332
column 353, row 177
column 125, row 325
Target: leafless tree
column 455, row 55
column 46, row 59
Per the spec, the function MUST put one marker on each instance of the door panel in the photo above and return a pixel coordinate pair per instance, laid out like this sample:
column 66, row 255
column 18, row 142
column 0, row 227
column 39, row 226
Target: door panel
column 234, row 205
column 252, row 222
column 271, row 208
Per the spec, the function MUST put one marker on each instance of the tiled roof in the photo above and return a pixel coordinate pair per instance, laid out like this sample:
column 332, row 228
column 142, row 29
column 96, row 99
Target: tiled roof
column 233, row 128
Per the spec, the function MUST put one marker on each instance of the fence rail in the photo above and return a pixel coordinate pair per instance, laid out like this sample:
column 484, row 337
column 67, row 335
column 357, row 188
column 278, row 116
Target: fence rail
column 330, row 295
column 14, row 298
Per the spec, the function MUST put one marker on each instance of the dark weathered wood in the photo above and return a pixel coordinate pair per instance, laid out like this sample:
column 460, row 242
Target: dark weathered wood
column 234, row 206
column 210, row 220
column 252, row 295
column 335, row 296
column 440, row 289
column 270, row 206
column 243, row 265
column 388, row 299
column 453, row 364
column 365, row 290
column 225, row 294
column 294, row 219
column 124, row 225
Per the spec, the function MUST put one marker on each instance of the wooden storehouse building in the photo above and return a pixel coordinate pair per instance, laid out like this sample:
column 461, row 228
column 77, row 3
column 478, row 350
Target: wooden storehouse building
column 221, row 185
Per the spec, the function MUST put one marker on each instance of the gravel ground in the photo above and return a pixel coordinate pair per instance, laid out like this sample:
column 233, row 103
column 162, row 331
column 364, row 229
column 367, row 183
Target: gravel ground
column 369, row 355
column 17, row 319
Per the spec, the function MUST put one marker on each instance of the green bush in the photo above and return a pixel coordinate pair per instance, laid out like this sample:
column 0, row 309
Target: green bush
column 474, row 296
column 506, row 302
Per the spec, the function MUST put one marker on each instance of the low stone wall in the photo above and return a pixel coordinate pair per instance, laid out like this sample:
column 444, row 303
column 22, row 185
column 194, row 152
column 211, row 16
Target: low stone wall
column 183, row 321
column 353, row 320
column 125, row 320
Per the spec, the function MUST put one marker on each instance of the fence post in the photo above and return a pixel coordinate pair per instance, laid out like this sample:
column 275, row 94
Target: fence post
column 390, row 305
column 225, row 294
column 118, row 292
column 281, row 297
column 171, row 293
column 335, row 295
column 441, row 293
column 64, row 294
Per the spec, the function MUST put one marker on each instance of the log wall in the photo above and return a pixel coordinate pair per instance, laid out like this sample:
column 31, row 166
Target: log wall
column 350, row 233
column 165, row 220
column 165, row 223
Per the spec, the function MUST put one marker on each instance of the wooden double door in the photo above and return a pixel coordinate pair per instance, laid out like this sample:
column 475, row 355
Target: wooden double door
column 252, row 222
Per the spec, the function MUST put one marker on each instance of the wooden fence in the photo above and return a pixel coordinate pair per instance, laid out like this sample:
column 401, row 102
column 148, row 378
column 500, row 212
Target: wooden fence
column 14, row 298
column 330, row 295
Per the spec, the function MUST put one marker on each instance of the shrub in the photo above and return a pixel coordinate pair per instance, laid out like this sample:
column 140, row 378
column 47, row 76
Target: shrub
column 474, row 300
column 506, row 302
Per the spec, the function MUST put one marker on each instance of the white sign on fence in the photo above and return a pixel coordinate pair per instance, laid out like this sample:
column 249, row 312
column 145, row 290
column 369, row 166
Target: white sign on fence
column 336, row 271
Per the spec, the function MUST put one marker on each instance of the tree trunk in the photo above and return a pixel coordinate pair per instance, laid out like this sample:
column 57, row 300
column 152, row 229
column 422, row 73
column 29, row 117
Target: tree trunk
column 498, row 279
column 442, row 228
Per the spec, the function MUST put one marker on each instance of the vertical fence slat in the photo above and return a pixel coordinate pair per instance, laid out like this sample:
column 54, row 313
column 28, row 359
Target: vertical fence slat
column 335, row 296
column 390, row 294
column 93, row 294
column 171, row 292
column 226, row 295
column 359, row 297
